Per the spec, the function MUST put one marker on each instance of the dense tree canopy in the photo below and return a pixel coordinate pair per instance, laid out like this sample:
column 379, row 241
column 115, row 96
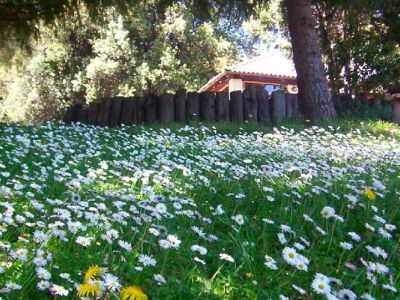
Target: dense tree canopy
column 360, row 43
column 19, row 19
column 141, row 50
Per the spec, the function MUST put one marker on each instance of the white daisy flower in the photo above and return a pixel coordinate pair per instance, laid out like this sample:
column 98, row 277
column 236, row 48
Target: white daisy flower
column 227, row 257
column 328, row 212
column 321, row 285
column 84, row 241
column 147, row 260
column 125, row 245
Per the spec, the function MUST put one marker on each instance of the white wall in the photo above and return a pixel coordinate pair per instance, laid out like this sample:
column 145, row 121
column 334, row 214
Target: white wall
column 235, row 85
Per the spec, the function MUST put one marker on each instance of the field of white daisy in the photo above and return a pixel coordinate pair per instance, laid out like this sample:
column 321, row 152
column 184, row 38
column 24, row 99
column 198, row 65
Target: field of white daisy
column 199, row 212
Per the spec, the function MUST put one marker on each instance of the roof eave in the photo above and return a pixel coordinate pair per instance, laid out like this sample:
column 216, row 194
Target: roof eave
column 212, row 81
column 219, row 76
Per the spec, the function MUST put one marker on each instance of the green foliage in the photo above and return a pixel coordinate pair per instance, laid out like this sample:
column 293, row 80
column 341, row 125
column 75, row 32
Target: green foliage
column 111, row 66
column 266, row 26
column 361, row 52
column 359, row 108
column 138, row 52
column 22, row 20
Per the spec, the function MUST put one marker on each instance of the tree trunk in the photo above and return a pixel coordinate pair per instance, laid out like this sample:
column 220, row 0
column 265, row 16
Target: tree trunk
column 325, row 19
column 313, row 86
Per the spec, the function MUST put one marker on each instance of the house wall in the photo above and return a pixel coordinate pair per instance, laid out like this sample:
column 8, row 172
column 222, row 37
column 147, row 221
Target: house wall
column 235, row 85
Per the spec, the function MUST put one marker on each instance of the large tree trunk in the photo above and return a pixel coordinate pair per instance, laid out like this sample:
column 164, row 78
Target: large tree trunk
column 325, row 18
column 313, row 87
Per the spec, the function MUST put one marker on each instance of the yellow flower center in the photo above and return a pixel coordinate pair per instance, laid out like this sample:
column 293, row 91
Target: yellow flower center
column 370, row 194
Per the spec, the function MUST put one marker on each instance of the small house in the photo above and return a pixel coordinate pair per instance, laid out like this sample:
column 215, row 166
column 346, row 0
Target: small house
column 273, row 71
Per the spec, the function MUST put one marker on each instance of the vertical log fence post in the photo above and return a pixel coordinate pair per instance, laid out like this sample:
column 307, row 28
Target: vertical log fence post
column 82, row 114
column 93, row 110
column 139, row 110
column 290, row 105
column 166, row 108
column 68, row 115
column 127, row 111
column 115, row 112
column 296, row 107
column 104, row 112
column 207, row 106
column 250, row 104
column 378, row 103
column 236, row 106
column 193, row 106
column 150, row 109
column 75, row 115
column 222, row 106
column 180, row 106
column 396, row 110
column 278, row 105
column 263, row 104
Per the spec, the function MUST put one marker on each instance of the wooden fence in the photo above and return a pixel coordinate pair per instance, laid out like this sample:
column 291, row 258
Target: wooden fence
column 253, row 105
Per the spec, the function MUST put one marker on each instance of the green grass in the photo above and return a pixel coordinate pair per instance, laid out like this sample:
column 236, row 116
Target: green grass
column 373, row 126
column 265, row 174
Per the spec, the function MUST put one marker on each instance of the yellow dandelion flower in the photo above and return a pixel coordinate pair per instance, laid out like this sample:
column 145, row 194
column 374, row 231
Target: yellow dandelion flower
column 133, row 292
column 92, row 272
column 370, row 194
column 87, row 290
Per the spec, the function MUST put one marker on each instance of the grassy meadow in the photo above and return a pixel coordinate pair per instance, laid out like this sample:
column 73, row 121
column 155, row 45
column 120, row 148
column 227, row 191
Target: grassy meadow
column 298, row 211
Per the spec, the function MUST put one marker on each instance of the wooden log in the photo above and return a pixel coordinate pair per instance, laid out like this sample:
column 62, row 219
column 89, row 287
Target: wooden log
column 139, row 113
column 104, row 112
column 246, row 99
column 250, row 104
column 74, row 109
column 288, row 103
column 378, row 103
column 278, row 105
column 337, row 103
column 364, row 100
column 193, row 106
column 68, row 116
column 82, row 115
column 150, row 109
column 207, row 106
column 396, row 111
column 365, row 104
column 236, row 107
column 115, row 112
column 263, row 104
column 76, row 113
column 180, row 106
column 92, row 113
column 296, row 106
column 222, row 106
column 291, row 106
column 166, row 108
column 128, row 105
